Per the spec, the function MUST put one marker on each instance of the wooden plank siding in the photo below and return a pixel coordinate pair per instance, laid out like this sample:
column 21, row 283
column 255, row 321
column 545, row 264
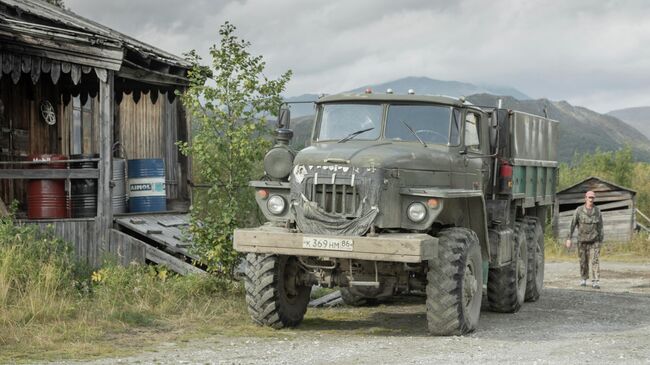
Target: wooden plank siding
column 617, row 225
column 21, row 113
column 145, row 129
column 170, row 152
column 617, row 205
column 141, row 127
column 150, row 130
column 80, row 233
column 127, row 249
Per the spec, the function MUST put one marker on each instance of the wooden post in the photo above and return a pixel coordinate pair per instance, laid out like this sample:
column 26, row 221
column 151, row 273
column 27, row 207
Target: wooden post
column 185, row 134
column 104, row 221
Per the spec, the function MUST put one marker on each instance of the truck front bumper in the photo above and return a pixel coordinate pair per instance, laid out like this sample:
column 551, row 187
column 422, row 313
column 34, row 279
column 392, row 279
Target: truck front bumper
column 396, row 247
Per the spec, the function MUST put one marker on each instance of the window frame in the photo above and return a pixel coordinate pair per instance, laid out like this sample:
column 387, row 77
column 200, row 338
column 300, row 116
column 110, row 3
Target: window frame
column 474, row 147
column 319, row 117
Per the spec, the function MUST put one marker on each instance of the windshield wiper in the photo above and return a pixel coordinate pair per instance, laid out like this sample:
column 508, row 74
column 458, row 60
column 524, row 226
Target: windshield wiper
column 354, row 134
column 415, row 134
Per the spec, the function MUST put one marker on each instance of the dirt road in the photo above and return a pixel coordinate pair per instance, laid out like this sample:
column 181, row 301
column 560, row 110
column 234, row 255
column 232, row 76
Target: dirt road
column 567, row 325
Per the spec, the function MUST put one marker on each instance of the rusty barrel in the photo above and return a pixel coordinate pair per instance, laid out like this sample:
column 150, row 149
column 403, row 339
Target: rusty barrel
column 46, row 198
column 83, row 192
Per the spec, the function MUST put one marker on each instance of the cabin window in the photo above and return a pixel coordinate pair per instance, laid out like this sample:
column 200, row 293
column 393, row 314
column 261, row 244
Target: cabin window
column 408, row 123
column 82, row 132
column 471, row 131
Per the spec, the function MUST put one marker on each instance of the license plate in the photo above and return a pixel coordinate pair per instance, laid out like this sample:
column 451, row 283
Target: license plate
column 320, row 243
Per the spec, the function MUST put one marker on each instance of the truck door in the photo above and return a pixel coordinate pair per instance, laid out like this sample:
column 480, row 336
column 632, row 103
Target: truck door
column 475, row 166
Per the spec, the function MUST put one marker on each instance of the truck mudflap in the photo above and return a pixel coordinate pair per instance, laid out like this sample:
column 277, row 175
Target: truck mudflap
column 396, row 247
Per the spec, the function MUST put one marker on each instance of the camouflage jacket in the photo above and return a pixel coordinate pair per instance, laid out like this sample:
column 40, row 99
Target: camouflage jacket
column 590, row 224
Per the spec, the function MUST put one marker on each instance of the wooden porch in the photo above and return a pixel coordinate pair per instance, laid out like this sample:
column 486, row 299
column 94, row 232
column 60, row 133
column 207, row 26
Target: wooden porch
column 73, row 87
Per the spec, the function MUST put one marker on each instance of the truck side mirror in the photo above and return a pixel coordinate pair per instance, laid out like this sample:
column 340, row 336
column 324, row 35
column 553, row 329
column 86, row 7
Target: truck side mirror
column 284, row 117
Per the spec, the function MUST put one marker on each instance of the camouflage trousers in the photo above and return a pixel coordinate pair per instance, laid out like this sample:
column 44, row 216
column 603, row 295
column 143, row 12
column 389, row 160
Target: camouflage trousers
column 584, row 251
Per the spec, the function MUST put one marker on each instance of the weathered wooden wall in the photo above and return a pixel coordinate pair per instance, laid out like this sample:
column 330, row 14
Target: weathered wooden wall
column 151, row 130
column 127, row 249
column 65, row 129
column 618, row 225
column 31, row 135
column 81, row 234
column 617, row 206
column 141, row 127
column 145, row 130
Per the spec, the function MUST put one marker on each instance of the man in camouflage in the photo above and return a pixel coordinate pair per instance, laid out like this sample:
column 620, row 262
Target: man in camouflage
column 589, row 221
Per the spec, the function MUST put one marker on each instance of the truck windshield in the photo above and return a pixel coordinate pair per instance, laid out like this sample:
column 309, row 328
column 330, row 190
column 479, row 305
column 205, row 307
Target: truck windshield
column 338, row 121
column 430, row 123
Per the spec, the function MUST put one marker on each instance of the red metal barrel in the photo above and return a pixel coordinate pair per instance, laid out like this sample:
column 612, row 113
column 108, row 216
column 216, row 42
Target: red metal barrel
column 46, row 198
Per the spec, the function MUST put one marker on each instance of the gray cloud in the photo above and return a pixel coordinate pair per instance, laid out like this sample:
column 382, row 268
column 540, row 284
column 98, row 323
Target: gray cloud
column 591, row 53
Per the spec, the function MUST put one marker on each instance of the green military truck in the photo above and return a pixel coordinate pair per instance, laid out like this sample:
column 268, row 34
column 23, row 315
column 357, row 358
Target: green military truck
column 400, row 193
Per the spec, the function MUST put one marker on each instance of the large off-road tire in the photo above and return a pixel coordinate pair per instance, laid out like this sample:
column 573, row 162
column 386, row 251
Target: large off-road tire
column 356, row 298
column 535, row 242
column 455, row 284
column 506, row 286
column 274, row 296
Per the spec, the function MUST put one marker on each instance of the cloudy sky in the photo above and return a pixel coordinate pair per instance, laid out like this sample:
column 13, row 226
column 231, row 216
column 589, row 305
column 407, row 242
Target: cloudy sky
column 593, row 53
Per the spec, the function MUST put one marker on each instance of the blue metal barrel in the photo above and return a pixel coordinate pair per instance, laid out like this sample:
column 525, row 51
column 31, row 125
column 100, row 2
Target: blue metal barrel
column 147, row 185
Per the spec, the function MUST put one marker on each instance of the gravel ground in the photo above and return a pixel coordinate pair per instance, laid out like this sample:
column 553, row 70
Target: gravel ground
column 568, row 325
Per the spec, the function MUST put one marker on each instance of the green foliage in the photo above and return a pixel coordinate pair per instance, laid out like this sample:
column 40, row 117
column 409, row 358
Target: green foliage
column 616, row 167
column 228, row 102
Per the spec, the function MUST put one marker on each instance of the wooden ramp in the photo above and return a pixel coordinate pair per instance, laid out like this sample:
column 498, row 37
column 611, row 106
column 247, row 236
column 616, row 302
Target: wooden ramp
column 169, row 232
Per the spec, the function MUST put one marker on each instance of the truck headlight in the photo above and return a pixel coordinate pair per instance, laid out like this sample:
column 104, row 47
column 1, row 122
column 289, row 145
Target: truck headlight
column 276, row 204
column 416, row 212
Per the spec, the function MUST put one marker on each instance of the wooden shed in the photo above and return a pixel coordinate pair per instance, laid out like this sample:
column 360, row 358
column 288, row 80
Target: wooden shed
column 70, row 86
column 616, row 203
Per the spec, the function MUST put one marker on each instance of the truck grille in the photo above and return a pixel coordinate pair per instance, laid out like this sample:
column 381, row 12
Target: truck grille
column 338, row 198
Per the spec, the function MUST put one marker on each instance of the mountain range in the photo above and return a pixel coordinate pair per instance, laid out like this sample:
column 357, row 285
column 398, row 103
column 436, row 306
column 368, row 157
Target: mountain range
column 581, row 129
column 421, row 85
column 638, row 117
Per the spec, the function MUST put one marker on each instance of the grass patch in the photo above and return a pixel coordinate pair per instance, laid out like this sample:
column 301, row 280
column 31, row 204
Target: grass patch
column 53, row 308
column 321, row 292
column 636, row 250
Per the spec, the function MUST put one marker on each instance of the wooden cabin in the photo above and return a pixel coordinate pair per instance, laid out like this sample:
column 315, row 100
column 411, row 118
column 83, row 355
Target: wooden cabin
column 72, row 87
column 616, row 203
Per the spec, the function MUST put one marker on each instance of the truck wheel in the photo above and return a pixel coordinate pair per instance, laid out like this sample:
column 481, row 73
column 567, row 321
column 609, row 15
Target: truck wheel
column 354, row 298
column 507, row 285
column 455, row 283
column 274, row 295
column 535, row 240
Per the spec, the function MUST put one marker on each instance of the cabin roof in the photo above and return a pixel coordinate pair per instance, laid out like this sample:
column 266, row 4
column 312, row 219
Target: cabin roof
column 590, row 183
column 37, row 28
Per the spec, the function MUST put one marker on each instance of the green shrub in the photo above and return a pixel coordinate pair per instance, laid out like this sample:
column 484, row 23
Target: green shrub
column 229, row 102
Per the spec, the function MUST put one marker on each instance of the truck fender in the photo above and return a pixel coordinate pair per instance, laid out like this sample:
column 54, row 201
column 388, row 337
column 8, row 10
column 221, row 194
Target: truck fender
column 476, row 220
column 463, row 208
